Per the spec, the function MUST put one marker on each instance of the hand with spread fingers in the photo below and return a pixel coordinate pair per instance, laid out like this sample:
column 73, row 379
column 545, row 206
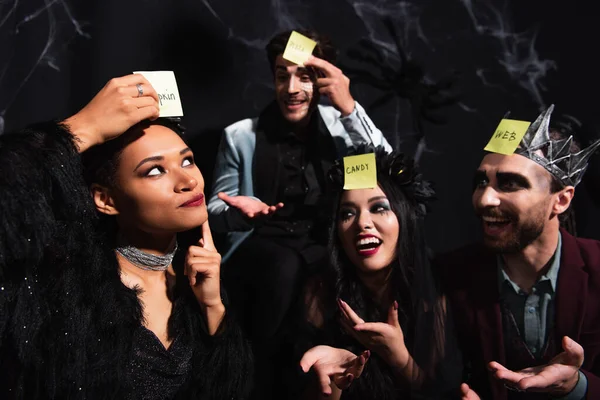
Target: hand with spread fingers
column 332, row 83
column 557, row 378
column 333, row 365
column 466, row 393
column 120, row 104
column 249, row 206
column 203, row 269
column 384, row 338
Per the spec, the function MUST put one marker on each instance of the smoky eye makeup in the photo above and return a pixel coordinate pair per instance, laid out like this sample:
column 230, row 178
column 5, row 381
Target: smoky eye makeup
column 153, row 170
column 345, row 213
column 480, row 180
column 190, row 161
column 381, row 206
column 510, row 181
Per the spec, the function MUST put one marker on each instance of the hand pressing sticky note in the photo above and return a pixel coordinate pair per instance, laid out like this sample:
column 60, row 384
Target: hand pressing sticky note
column 507, row 136
column 298, row 48
column 164, row 83
column 360, row 172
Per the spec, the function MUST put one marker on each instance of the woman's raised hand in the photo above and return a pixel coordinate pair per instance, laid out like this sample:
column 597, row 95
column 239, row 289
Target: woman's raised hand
column 384, row 338
column 333, row 365
column 120, row 104
column 203, row 269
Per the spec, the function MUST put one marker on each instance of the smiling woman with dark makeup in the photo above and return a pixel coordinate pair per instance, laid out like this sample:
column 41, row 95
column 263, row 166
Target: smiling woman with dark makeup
column 378, row 327
column 95, row 301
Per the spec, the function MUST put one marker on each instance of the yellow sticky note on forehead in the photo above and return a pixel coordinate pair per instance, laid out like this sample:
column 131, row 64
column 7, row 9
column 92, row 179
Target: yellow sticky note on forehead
column 360, row 172
column 165, row 85
column 507, row 136
column 298, row 48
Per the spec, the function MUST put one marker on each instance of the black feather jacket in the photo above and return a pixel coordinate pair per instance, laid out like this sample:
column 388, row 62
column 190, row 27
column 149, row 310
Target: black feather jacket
column 69, row 329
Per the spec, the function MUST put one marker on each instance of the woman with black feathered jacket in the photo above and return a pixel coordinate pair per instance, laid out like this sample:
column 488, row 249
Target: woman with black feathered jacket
column 91, row 304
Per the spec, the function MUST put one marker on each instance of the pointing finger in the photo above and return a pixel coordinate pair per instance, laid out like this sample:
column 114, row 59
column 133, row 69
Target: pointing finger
column 207, row 239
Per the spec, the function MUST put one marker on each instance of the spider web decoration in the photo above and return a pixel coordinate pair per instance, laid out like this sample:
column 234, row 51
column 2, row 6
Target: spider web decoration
column 399, row 76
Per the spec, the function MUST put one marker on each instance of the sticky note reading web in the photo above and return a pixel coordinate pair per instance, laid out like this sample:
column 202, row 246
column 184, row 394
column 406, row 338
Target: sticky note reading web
column 507, row 136
column 169, row 102
column 360, row 172
column 298, row 48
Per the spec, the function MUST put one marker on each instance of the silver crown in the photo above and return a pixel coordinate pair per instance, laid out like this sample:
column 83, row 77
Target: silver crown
column 555, row 155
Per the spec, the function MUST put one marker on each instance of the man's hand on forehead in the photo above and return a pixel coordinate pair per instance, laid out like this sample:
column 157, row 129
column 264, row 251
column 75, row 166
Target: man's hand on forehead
column 323, row 69
column 332, row 83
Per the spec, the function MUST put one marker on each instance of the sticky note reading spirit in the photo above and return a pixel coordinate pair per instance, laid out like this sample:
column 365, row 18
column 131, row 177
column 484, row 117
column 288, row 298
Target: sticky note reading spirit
column 169, row 102
column 507, row 136
column 360, row 172
column 298, row 48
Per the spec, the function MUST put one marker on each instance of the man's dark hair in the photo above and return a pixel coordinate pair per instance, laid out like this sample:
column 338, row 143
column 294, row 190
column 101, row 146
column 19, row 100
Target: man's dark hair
column 567, row 218
column 324, row 48
column 559, row 134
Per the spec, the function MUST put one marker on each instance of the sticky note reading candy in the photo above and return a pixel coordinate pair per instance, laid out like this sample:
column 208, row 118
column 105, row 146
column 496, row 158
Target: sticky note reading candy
column 169, row 102
column 507, row 136
column 360, row 172
column 298, row 48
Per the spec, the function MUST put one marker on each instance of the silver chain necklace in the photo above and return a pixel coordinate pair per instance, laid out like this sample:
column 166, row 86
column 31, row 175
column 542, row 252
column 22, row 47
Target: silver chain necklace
column 143, row 260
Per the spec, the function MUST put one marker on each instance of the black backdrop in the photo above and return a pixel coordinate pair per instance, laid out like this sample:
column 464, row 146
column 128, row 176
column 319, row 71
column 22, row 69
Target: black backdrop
column 504, row 55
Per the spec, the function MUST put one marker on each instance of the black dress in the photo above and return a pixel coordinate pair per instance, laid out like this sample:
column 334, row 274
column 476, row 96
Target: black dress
column 69, row 328
column 378, row 380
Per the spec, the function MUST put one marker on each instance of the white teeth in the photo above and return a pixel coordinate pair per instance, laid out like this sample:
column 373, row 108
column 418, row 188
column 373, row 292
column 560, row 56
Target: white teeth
column 368, row 240
column 494, row 219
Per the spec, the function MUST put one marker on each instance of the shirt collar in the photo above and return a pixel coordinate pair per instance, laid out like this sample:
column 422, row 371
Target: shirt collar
column 550, row 275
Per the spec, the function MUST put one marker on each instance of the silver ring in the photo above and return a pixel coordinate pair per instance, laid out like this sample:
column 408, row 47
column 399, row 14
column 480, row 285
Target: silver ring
column 140, row 90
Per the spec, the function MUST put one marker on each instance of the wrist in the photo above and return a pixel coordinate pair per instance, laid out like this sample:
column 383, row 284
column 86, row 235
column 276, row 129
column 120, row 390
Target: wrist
column 400, row 360
column 214, row 315
column 82, row 131
column 405, row 367
column 570, row 384
column 347, row 108
column 215, row 305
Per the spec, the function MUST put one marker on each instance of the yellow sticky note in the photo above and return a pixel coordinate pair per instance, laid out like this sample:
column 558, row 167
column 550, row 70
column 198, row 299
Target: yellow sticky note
column 507, row 136
column 165, row 85
column 298, row 48
column 360, row 172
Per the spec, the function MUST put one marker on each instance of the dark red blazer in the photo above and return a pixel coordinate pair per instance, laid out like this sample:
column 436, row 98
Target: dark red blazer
column 470, row 279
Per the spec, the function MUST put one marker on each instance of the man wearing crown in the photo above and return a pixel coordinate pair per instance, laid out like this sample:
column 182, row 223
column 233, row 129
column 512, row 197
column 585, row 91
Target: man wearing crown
column 526, row 301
